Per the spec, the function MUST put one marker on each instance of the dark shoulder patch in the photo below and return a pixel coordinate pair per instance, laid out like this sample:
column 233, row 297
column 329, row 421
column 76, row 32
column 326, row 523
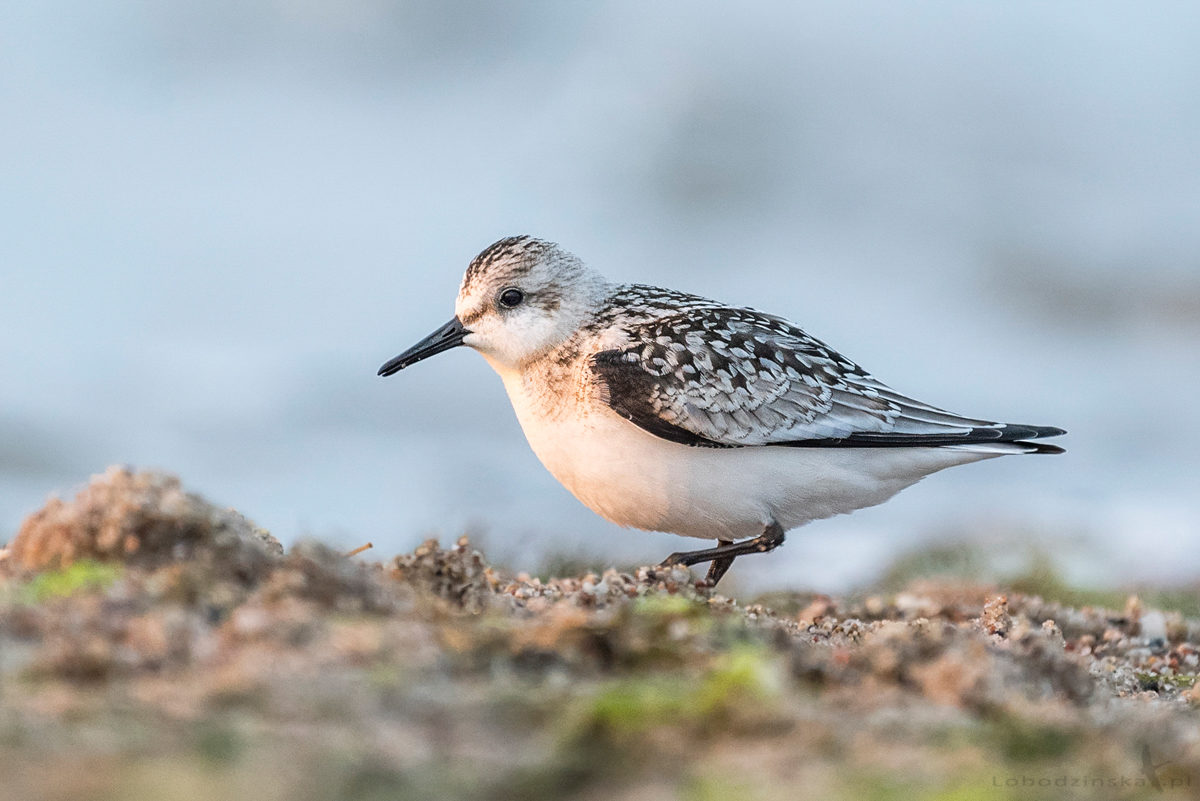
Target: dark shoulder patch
column 629, row 390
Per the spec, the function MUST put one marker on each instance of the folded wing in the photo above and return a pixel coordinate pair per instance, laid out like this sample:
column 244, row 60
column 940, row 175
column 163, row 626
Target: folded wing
column 729, row 377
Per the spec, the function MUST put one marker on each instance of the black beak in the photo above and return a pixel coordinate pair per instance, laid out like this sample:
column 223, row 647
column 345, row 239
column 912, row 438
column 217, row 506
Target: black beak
column 448, row 336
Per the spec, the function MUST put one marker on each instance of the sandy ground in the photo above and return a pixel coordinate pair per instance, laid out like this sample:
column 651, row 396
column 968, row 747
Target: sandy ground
column 154, row 646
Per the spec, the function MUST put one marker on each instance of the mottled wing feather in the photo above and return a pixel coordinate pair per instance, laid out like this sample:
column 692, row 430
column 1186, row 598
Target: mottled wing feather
column 725, row 377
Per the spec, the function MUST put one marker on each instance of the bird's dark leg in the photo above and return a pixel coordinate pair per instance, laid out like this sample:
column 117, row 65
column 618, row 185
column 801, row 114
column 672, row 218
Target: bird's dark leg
column 723, row 555
column 717, row 567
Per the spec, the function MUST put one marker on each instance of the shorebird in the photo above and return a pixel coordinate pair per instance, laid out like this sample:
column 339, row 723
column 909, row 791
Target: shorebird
column 670, row 412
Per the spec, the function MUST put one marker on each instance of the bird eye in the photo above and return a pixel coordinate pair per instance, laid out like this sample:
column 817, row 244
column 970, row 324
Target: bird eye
column 511, row 297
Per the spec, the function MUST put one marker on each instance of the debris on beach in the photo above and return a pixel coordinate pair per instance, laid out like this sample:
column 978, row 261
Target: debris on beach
column 154, row 645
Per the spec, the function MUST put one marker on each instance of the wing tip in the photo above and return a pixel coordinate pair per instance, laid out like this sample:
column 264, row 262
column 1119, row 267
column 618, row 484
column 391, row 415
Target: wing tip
column 1040, row 432
column 1020, row 434
column 998, row 434
column 1041, row 447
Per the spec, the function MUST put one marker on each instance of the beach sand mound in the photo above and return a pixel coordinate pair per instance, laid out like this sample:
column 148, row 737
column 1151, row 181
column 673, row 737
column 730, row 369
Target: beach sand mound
column 140, row 518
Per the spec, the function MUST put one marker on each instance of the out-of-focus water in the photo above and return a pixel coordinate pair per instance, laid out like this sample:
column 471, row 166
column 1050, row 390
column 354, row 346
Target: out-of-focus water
column 217, row 220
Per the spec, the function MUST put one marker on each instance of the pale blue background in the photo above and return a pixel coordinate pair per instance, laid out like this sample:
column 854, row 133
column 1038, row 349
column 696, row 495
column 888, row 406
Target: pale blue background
column 218, row 218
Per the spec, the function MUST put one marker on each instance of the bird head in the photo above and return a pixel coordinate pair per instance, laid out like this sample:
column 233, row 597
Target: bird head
column 520, row 298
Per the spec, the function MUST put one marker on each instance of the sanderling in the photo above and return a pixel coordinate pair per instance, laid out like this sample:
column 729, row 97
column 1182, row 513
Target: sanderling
column 670, row 412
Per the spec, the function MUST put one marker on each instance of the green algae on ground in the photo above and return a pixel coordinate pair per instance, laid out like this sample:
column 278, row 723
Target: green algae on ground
column 82, row 576
column 1150, row 680
column 666, row 607
column 1019, row 739
column 736, row 682
column 711, row 787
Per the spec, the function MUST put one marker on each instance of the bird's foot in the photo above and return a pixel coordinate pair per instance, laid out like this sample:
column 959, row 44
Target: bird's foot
column 721, row 557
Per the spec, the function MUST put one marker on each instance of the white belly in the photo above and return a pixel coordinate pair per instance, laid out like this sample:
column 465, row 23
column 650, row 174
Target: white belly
column 634, row 478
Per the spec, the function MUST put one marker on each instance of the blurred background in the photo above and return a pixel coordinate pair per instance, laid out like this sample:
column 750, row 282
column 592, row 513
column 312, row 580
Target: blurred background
column 218, row 218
